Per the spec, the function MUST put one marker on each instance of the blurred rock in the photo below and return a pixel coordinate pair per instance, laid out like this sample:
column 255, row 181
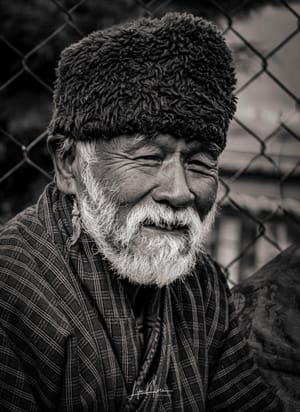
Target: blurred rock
column 268, row 306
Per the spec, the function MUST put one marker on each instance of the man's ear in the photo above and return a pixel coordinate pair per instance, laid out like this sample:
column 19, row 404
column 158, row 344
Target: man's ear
column 65, row 171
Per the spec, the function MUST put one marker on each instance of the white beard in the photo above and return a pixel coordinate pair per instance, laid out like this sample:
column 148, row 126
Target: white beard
column 144, row 257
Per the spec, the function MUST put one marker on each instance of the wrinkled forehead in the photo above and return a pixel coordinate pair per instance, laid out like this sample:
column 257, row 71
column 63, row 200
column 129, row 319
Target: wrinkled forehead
column 163, row 141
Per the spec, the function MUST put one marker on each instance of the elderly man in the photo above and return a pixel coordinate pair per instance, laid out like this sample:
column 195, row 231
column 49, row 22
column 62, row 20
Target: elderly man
column 108, row 300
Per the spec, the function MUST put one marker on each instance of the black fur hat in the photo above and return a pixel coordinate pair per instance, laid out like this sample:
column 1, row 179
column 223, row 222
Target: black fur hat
column 170, row 75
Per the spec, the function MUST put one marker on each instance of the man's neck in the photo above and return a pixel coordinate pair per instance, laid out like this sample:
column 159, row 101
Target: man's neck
column 132, row 291
column 139, row 296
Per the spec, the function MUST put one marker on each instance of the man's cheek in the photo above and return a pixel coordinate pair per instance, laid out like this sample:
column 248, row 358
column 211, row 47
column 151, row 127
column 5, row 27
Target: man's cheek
column 206, row 198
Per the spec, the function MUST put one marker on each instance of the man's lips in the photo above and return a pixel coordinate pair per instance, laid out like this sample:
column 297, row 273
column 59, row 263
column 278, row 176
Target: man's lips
column 166, row 227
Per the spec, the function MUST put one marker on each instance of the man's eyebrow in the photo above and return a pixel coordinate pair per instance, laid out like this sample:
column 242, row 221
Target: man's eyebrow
column 140, row 141
column 209, row 148
column 214, row 150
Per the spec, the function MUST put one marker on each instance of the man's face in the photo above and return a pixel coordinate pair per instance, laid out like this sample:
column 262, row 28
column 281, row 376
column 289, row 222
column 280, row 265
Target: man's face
column 148, row 204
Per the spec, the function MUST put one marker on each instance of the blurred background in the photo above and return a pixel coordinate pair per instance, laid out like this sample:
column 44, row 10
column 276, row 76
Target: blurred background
column 260, row 169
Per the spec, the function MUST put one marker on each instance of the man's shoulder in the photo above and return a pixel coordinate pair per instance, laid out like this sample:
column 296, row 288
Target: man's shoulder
column 25, row 253
column 19, row 237
column 27, row 218
column 26, row 260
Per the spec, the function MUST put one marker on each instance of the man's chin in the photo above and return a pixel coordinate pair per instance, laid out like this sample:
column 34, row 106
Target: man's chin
column 157, row 274
column 151, row 267
column 153, row 242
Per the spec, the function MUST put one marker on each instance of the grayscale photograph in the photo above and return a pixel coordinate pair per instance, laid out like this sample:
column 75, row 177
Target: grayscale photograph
column 150, row 206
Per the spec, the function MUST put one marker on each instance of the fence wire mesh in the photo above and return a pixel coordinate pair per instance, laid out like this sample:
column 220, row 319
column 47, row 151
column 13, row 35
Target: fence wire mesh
column 259, row 171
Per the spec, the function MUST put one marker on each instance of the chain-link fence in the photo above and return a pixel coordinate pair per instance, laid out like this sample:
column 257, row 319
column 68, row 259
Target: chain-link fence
column 259, row 170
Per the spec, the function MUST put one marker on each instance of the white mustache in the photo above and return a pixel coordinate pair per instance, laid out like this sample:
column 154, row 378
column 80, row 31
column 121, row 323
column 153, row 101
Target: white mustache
column 160, row 216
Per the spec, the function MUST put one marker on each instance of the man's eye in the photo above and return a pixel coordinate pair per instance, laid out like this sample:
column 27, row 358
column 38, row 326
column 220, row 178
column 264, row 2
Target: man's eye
column 200, row 167
column 149, row 158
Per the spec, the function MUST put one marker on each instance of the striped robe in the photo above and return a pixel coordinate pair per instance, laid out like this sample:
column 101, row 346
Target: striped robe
column 69, row 339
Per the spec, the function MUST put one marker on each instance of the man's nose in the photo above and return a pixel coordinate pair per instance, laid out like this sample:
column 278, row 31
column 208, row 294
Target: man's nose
column 172, row 186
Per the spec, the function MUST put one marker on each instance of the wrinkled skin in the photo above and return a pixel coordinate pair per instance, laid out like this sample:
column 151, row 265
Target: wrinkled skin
column 174, row 172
